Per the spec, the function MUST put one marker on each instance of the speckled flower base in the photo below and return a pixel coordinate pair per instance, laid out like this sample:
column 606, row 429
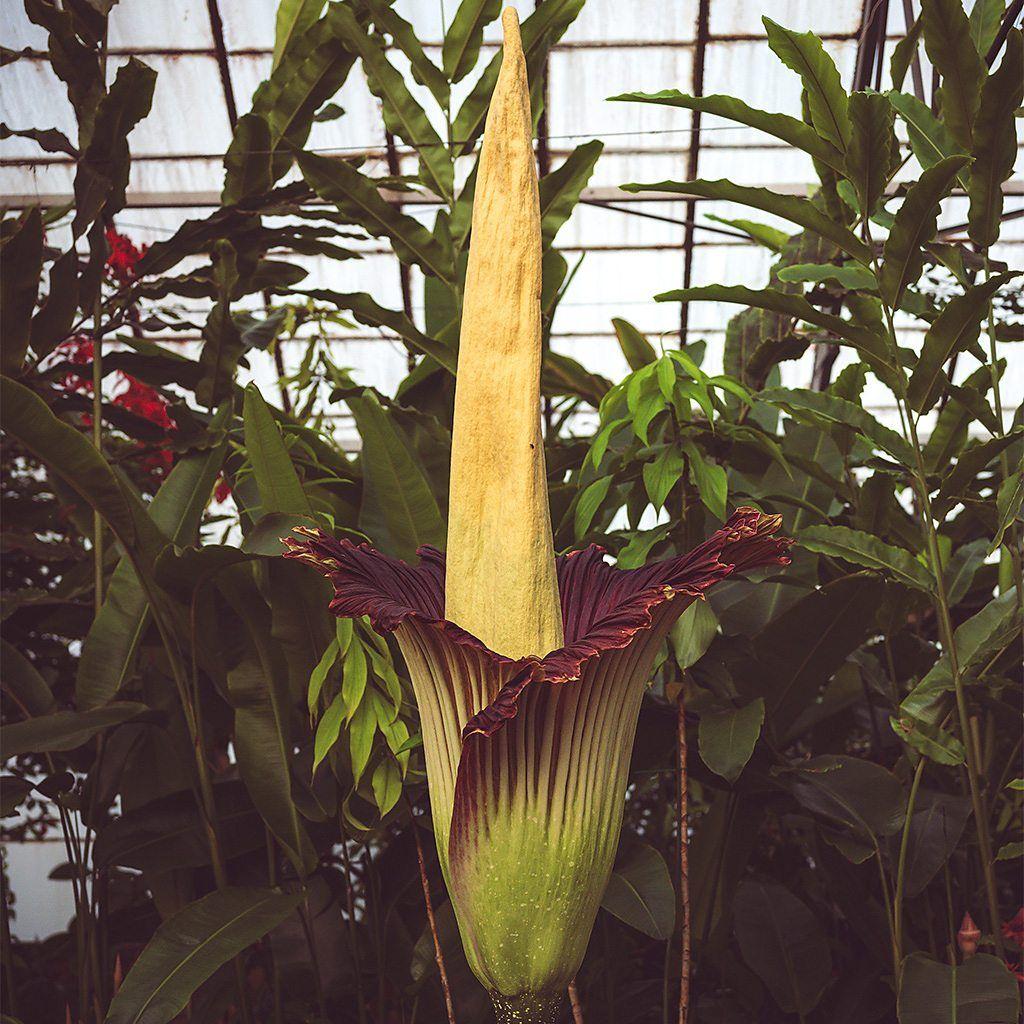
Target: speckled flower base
column 526, row 1009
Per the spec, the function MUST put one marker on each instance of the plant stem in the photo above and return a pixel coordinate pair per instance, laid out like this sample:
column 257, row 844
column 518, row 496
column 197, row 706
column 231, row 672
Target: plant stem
column 684, row 863
column 574, row 1002
column 887, row 902
column 429, row 904
column 353, row 938
column 901, row 864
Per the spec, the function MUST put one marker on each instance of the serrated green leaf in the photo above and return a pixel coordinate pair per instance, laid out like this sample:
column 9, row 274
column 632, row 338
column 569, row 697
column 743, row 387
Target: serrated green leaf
column 872, row 153
column 865, row 549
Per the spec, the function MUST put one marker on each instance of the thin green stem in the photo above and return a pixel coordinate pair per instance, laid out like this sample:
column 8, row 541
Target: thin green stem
column 901, row 864
column 887, row 902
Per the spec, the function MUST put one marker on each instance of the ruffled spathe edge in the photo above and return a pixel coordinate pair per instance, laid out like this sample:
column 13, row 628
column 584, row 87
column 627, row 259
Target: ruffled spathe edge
column 603, row 607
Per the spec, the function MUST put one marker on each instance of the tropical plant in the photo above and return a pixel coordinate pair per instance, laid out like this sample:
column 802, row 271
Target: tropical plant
column 828, row 755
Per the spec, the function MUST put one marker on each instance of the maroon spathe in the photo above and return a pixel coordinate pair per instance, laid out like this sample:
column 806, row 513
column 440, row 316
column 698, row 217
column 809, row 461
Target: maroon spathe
column 603, row 608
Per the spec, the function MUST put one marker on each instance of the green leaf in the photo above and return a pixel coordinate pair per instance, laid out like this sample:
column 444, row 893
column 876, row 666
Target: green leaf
column 399, row 510
column 362, row 729
column 953, row 330
column 781, row 126
column 357, row 197
column 727, row 738
column 259, row 693
column 588, row 504
column 222, row 342
column 386, row 783
column 859, row 796
column 803, row 53
column 1009, row 499
column 328, row 729
column 995, row 142
column 23, row 684
column 102, row 174
column 424, row 70
column 402, row 114
column 22, row 254
column 866, row 549
column 1010, row 851
column 791, row 208
column 353, row 684
column 914, row 226
column 765, row 235
column 636, row 349
column 903, row 54
column 935, row 830
column 461, row 48
column 838, row 410
column 65, row 730
column 783, row 943
column 294, row 17
column 985, row 18
column 188, row 947
column 279, row 485
column 947, row 38
column 367, row 311
column 873, row 152
column 850, row 276
column 318, row 676
column 247, row 163
column 960, row 479
column 693, row 632
column 661, row 475
column 709, row 478
column 560, row 189
column 825, row 626
column 54, row 320
column 930, row 139
column 981, row 990
column 110, row 647
column 640, row 893
column 933, row 742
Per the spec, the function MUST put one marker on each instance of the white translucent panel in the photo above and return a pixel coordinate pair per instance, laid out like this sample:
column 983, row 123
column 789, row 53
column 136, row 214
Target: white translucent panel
column 176, row 179
column 40, row 180
column 18, row 31
column 743, row 17
column 248, row 24
column 643, row 20
column 31, row 96
column 615, row 169
column 769, row 167
column 580, row 82
column 600, row 225
column 181, row 25
column 750, row 71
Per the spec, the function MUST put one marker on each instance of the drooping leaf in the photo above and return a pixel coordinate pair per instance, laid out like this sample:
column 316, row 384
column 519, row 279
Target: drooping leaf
column 65, row 730
column 661, row 475
column 995, row 142
column 709, row 478
column 932, row 741
column 188, row 947
column 975, row 458
column 792, row 208
column 222, row 341
column 935, row 828
column 981, row 990
column 1009, row 499
column 783, row 943
column 693, row 632
column 947, row 38
column 402, row 114
column 803, row 53
column 278, row 482
column 873, row 152
column 727, row 738
column 838, row 410
column 866, row 549
column 781, row 126
column 953, row 330
column 851, row 276
column 247, row 163
column 294, row 17
column 914, row 226
column 636, row 349
column 903, row 54
column 641, row 894
column 22, row 255
column 399, row 510
column 357, row 197
column 110, row 646
column 984, row 20
column 588, row 504
column 23, row 684
column 930, row 139
column 57, row 313
column 424, row 70
column 48, row 139
column 462, row 41
column 560, row 189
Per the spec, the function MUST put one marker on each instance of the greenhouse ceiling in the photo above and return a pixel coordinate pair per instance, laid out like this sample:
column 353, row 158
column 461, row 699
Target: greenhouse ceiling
column 210, row 56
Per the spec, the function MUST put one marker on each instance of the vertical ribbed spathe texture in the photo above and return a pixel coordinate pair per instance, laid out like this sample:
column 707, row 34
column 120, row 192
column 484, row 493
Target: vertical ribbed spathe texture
column 501, row 583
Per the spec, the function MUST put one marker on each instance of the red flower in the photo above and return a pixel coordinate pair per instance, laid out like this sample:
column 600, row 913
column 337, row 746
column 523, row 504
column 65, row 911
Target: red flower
column 145, row 402
column 223, row 489
column 122, row 257
column 77, row 350
column 1014, row 928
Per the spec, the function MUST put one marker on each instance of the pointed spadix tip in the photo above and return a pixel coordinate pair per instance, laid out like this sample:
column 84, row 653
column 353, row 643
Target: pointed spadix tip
column 510, row 26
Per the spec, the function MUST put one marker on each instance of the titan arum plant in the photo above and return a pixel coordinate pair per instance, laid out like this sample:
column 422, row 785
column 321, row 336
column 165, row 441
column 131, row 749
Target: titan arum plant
column 528, row 670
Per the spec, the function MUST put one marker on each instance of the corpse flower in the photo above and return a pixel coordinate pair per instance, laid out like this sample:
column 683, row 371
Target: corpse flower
column 528, row 671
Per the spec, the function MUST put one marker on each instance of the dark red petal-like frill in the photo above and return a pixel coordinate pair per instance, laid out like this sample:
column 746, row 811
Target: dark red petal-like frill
column 603, row 608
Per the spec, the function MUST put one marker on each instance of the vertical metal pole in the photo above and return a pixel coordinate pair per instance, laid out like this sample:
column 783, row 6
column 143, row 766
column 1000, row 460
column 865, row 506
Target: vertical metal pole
column 693, row 156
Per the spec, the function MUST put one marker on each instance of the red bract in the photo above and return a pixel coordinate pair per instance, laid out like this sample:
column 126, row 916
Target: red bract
column 1014, row 928
column 123, row 257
